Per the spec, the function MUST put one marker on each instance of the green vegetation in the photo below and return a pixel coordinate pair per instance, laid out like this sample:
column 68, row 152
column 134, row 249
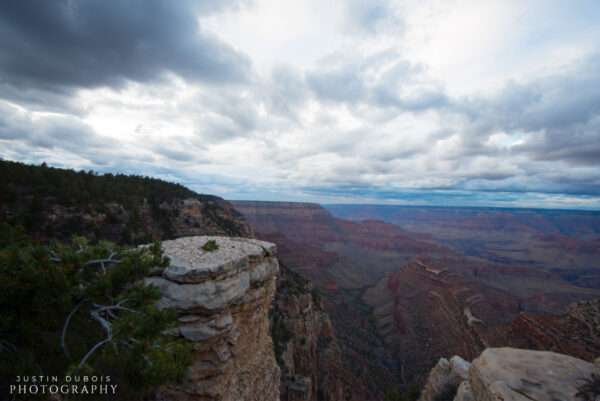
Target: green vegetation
column 73, row 188
column 79, row 308
column 280, row 334
column 412, row 393
column 58, row 203
column 210, row 246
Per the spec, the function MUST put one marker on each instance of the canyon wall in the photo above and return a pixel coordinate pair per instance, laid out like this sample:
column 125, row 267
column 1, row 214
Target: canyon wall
column 575, row 333
column 399, row 300
column 223, row 298
column 306, row 347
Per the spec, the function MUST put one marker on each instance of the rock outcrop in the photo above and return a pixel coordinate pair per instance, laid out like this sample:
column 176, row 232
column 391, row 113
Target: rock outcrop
column 223, row 299
column 445, row 378
column 511, row 374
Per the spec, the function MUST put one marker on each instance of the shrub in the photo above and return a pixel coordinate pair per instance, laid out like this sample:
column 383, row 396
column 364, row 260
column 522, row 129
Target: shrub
column 210, row 246
column 81, row 309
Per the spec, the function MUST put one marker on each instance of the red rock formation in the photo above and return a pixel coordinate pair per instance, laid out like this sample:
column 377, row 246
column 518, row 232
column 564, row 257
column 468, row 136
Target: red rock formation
column 307, row 348
column 399, row 301
column 576, row 333
column 424, row 312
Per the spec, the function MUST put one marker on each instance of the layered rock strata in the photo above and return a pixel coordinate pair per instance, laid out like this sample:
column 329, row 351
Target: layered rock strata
column 223, row 299
column 306, row 347
column 512, row 374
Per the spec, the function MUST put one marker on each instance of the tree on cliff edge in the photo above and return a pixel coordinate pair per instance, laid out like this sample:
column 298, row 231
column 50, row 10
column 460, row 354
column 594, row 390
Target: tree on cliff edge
column 80, row 309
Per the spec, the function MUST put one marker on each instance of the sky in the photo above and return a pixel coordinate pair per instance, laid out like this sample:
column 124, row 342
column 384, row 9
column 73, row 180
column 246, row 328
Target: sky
column 462, row 103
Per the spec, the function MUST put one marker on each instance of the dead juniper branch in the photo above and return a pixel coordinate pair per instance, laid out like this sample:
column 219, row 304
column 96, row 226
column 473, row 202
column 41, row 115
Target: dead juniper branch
column 104, row 263
column 54, row 257
column 109, row 336
column 5, row 346
column 63, row 337
column 102, row 314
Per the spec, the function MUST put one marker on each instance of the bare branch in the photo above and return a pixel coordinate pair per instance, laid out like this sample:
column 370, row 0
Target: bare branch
column 54, row 257
column 6, row 346
column 63, row 343
column 97, row 314
column 109, row 335
column 105, row 262
column 91, row 351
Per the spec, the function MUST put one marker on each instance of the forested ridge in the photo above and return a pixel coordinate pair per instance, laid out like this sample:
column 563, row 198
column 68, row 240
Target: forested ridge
column 52, row 203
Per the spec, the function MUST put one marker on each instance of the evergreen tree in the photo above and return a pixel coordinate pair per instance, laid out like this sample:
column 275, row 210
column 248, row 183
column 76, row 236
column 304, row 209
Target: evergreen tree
column 82, row 309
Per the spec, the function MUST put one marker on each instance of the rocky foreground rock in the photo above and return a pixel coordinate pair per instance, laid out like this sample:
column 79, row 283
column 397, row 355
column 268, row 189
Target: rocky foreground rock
column 223, row 299
column 511, row 374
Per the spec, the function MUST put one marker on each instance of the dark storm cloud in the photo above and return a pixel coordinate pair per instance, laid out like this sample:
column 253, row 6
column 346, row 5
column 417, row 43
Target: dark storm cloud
column 62, row 43
column 57, row 100
column 48, row 132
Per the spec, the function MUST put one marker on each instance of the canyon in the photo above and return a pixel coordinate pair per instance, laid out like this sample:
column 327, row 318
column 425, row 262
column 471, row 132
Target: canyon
column 562, row 242
column 223, row 297
column 296, row 303
column 401, row 298
column 229, row 313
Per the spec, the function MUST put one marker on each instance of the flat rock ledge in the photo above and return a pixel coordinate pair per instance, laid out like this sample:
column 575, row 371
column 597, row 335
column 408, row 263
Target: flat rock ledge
column 223, row 298
column 509, row 374
column 199, row 280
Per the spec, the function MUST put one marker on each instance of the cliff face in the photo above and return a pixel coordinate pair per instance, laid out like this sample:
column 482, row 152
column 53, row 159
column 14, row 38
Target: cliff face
column 306, row 347
column 575, row 333
column 342, row 259
column 223, row 299
column 424, row 311
column 142, row 220
column 511, row 374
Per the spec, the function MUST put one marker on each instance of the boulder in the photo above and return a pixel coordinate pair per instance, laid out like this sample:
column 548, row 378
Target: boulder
column 509, row 374
column 515, row 374
column 444, row 379
column 464, row 392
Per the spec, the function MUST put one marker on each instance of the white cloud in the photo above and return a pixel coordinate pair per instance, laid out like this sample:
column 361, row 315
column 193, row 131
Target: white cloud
column 385, row 96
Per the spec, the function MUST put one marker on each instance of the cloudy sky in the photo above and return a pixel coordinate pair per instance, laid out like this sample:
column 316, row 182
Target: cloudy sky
column 423, row 102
